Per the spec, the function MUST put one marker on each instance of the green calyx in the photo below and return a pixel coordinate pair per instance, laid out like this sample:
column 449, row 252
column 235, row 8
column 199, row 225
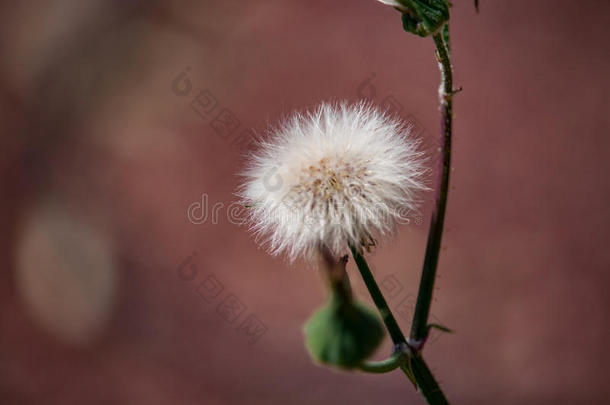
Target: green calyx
column 342, row 333
column 424, row 17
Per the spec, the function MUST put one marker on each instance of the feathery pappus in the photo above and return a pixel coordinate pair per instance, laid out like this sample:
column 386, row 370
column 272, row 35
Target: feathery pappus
column 339, row 175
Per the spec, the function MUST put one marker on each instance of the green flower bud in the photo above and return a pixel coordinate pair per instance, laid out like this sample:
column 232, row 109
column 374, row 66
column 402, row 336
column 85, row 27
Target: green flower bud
column 425, row 17
column 422, row 17
column 342, row 333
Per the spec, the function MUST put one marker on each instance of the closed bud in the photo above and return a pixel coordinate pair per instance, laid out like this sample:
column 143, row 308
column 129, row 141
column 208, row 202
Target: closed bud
column 421, row 17
column 343, row 333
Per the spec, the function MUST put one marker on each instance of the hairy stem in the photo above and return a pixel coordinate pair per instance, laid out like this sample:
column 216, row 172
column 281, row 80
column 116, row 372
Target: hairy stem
column 419, row 327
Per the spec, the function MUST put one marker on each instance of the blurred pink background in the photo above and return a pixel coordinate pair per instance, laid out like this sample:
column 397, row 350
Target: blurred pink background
column 112, row 293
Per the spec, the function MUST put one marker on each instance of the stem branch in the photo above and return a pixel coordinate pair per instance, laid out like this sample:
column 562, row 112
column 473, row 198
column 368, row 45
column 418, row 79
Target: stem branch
column 391, row 363
column 415, row 368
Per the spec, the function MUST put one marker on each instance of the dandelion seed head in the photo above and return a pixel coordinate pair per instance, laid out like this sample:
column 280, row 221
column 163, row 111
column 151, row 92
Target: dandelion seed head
column 338, row 175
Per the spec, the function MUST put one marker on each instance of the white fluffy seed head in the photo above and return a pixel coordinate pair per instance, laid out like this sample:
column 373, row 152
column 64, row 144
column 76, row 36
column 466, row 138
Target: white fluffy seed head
column 338, row 175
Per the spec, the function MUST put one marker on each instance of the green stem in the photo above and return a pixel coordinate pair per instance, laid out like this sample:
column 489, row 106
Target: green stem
column 391, row 363
column 417, row 371
column 426, row 382
column 384, row 310
column 419, row 327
